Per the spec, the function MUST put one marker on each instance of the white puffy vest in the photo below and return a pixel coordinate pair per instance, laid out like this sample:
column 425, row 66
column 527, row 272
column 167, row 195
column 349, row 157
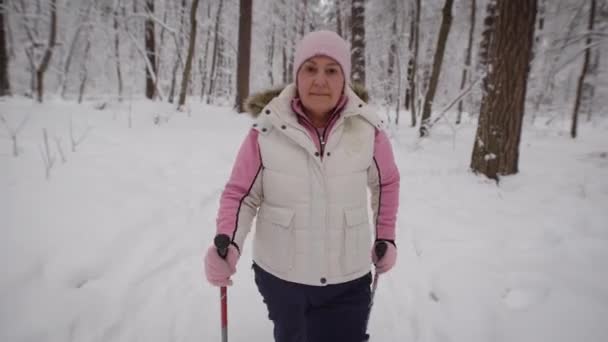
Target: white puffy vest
column 313, row 225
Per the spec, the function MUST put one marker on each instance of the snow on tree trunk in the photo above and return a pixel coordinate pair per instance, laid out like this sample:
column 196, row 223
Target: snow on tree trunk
column 496, row 146
column 150, row 50
column 467, row 59
column 358, row 42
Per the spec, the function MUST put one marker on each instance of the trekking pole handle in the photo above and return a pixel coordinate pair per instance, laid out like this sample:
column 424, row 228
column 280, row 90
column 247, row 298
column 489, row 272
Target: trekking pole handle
column 380, row 249
column 222, row 241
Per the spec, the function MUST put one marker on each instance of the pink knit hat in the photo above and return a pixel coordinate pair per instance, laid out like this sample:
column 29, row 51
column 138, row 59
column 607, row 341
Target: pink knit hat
column 323, row 43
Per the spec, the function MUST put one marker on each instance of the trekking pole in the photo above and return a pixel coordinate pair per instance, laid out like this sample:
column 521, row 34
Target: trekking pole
column 222, row 242
column 380, row 250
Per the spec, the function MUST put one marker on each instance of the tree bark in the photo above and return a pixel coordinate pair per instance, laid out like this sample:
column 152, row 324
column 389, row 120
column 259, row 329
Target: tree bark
column 444, row 31
column 358, row 41
column 244, row 54
column 46, row 58
column 270, row 55
column 214, row 58
column 191, row 45
column 392, row 57
column 412, row 66
column 84, row 70
column 150, row 50
column 338, row 19
column 496, row 146
column 204, row 77
column 178, row 52
column 5, row 87
column 467, row 59
column 117, row 55
column 584, row 71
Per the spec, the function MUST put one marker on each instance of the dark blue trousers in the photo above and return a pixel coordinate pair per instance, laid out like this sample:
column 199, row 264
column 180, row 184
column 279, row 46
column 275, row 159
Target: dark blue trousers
column 305, row 313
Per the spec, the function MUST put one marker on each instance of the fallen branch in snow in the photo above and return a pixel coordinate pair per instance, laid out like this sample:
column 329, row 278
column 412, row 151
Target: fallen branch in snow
column 14, row 132
column 45, row 152
column 445, row 109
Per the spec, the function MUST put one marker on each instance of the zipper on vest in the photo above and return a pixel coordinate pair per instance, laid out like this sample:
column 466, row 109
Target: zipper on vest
column 321, row 143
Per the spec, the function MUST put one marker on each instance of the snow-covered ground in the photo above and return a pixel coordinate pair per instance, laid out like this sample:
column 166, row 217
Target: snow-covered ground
column 109, row 249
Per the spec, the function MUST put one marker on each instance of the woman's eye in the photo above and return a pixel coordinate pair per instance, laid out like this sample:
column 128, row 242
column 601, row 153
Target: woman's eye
column 311, row 69
column 331, row 71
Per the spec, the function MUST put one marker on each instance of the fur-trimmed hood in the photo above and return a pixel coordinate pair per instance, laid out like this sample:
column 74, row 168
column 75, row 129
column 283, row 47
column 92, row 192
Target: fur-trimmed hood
column 256, row 102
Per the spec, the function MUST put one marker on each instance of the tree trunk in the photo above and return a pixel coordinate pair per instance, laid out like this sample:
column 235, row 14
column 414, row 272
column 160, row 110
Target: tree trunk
column 412, row 65
column 117, row 56
column 338, row 19
column 392, row 56
column 358, row 42
column 593, row 70
column 204, row 77
column 214, row 58
column 84, row 70
column 150, row 50
column 467, row 59
column 581, row 78
column 270, row 56
column 191, row 45
column 486, row 40
column 446, row 22
column 5, row 88
column 178, row 53
column 496, row 147
column 44, row 64
column 244, row 54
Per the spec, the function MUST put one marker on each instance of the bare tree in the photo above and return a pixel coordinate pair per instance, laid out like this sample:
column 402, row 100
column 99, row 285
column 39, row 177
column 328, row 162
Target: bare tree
column 205, row 73
column 412, row 66
column 191, row 45
column 496, row 146
column 84, row 71
column 358, row 41
column 216, row 52
column 41, row 67
column 270, row 55
column 117, row 51
column 584, row 71
column 467, row 59
column 446, row 23
column 244, row 53
column 83, row 26
column 150, row 51
column 178, row 47
column 5, row 87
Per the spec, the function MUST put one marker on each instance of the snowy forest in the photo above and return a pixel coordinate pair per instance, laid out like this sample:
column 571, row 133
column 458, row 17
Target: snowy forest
column 120, row 121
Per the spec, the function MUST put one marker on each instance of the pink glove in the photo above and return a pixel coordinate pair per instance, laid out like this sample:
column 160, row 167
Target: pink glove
column 218, row 270
column 389, row 259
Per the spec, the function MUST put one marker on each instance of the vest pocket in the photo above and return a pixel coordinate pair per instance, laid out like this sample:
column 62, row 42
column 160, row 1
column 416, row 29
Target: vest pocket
column 357, row 240
column 274, row 237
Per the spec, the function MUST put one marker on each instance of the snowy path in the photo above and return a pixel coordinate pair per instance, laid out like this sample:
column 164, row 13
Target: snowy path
column 110, row 249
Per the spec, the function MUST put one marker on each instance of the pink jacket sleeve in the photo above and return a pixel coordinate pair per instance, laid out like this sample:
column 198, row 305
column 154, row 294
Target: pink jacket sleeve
column 383, row 180
column 243, row 192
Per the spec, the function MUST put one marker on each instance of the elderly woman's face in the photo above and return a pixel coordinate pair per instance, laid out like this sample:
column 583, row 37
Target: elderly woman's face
column 320, row 84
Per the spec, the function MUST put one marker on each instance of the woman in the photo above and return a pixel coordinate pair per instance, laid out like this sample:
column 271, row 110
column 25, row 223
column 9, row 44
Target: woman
column 304, row 170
